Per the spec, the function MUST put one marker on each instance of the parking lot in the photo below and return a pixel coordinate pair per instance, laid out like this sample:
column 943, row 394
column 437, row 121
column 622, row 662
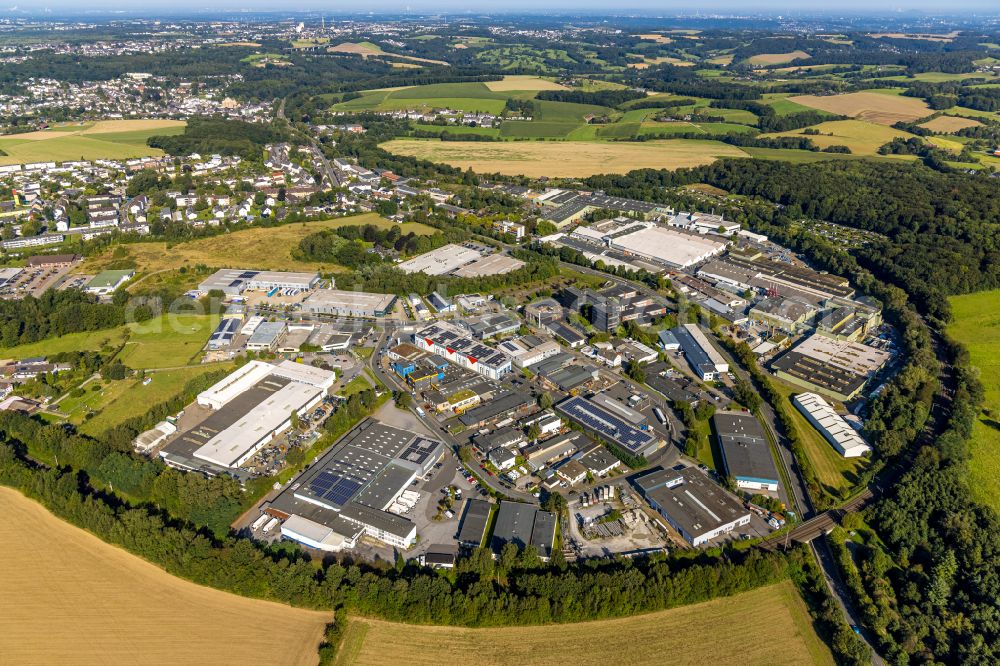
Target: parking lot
column 34, row 281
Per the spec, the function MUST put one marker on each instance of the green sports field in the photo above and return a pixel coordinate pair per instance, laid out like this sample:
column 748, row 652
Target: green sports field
column 977, row 326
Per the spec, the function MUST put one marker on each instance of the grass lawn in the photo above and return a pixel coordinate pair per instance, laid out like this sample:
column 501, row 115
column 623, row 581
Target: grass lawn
column 262, row 248
column 356, row 385
column 834, row 471
column 126, row 398
column 169, row 341
column 775, row 628
column 73, row 342
column 977, row 326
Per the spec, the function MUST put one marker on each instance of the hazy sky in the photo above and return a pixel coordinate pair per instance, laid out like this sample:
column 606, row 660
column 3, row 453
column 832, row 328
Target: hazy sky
column 590, row 6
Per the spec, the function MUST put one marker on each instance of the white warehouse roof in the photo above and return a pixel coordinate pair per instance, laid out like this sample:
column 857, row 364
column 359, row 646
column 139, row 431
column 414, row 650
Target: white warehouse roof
column 832, row 425
column 668, row 246
column 235, row 444
column 233, row 384
column 305, row 374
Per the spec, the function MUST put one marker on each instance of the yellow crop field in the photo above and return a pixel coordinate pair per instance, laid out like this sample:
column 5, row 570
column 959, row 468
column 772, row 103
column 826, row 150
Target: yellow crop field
column 777, row 58
column 70, row 598
column 772, row 626
column 871, row 106
column 863, row 138
column 523, row 82
column 949, row 124
column 570, row 159
column 655, row 37
column 264, row 248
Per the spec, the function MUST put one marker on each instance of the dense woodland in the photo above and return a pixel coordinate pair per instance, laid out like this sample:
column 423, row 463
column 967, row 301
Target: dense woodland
column 207, row 136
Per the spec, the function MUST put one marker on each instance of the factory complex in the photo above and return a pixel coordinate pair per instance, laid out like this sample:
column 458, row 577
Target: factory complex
column 358, row 487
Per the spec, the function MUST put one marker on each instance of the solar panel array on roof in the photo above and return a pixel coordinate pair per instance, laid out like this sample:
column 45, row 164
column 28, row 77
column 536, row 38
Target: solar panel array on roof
column 606, row 424
column 246, row 275
column 224, row 333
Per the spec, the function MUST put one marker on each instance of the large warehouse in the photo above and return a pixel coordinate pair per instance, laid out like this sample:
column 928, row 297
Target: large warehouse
column 836, row 368
column 249, row 408
column 831, row 425
column 354, row 488
column 703, row 358
column 693, row 505
column 234, row 281
column 746, row 453
column 341, row 303
column 674, row 248
column 455, row 346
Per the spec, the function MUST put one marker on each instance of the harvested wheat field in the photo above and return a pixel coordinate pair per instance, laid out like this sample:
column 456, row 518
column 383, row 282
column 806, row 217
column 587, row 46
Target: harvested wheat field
column 523, row 82
column 655, row 37
column 949, row 124
column 777, row 58
column 569, row 159
column 861, row 137
column 873, row 107
column 70, row 598
column 98, row 127
column 766, row 626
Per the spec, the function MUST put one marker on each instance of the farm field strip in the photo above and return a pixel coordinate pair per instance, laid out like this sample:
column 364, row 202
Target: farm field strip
column 71, row 598
column 977, row 326
column 774, row 628
column 564, row 158
column 882, row 107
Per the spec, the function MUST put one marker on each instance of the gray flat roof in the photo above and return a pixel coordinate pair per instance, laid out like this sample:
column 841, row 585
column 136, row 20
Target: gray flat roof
column 746, row 452
column 516, row 524
column 696, row 504
column 474, row 521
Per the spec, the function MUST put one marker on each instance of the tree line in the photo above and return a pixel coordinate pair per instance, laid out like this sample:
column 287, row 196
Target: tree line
column 56, row 313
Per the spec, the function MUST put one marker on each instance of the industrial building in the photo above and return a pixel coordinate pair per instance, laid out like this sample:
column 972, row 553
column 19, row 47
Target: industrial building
column 528, row 350
column 440, row 261
column 706, row 362
column 610, row 308
column 663, row 245
column 505, row 405
column 107, row 282
column 836, row 368
column 615, row 427
column 268, row 336
column 250, row 407
column 746, row 453
column 494, row 325
column 233, row 281
column 224, row 333
column 472, row 530
column 524, row 525
column 453, row 345
column 342, row 303
column 694, row 506
column 356, row 488
column 492, row 264
column 555, row 449
column 831, row 425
